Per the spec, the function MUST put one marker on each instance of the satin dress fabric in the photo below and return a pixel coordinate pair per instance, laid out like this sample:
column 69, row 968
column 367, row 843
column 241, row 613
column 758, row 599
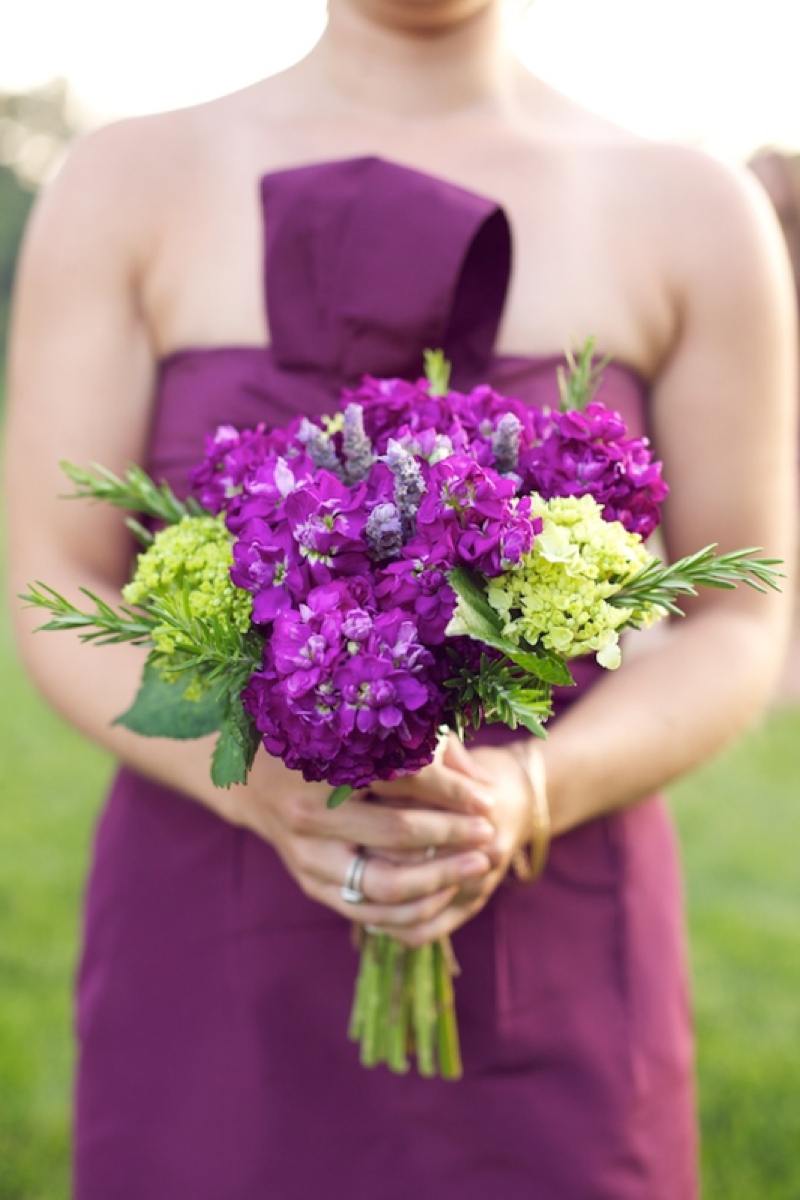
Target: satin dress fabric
column 213, row 995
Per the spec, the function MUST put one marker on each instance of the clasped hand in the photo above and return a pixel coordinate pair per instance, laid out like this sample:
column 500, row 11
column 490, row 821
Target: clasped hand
column 437, row 843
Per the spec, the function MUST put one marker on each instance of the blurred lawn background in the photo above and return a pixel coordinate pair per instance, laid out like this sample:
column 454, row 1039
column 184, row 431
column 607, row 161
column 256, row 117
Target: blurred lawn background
column 740, row 824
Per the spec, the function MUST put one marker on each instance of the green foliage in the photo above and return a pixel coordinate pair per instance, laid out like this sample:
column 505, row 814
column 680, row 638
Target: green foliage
column 502, row 692
column 437, row 372
column 15, row 205
column 103, row 625
column 660, row 585
column 339, row 795
column 475, row 618
column 163, row 709
column 580, row 379
column 135, row 491
column 237, row 745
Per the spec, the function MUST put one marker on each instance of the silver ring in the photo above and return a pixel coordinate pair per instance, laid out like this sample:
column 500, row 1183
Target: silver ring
column 430, row 852
column 351, row 893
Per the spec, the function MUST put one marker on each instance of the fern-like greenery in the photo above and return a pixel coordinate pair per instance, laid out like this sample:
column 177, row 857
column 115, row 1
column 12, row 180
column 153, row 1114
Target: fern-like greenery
column 135, row 492
column 660, row 585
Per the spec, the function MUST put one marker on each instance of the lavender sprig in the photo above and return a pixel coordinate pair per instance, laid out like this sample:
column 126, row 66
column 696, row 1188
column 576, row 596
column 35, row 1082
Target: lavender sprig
column 384, row 531
column 321, row 449
column 358, row 456
column 505, row 443
column 409, row 485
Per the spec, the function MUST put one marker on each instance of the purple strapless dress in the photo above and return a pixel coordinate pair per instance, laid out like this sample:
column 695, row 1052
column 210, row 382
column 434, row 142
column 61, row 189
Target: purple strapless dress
column 214, row 996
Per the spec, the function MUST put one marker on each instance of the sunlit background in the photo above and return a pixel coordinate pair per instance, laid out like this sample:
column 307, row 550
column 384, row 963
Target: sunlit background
column 718, row 74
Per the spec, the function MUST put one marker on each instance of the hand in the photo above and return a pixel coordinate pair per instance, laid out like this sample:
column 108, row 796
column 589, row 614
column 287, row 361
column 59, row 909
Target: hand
column 404, row 885
column 501, row 771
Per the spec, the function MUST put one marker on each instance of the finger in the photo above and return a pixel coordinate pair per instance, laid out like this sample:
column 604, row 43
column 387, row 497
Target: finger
column 439, row 786
column 440, row 925
column 458, row 758
column 379, row 827
column 384, row 883
column 390, row 917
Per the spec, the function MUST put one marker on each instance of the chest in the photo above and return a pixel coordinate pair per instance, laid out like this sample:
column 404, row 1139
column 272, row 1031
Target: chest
column 584, row 257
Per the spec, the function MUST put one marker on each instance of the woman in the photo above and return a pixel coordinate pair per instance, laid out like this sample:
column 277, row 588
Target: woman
column 215, row 981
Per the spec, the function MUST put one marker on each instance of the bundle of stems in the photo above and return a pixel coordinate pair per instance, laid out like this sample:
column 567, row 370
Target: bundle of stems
column 404, row 1005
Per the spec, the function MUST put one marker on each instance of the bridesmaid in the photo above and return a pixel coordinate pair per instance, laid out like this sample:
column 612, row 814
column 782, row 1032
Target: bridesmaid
column 217, row 970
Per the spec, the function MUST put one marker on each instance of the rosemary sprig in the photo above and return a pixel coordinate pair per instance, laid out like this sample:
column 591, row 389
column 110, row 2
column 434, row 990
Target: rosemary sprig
column 135, row 491
column 660, row 585
column 210, row 645
column 437, row 372
column 578, row 382
column 500, row 691
column 104, row 625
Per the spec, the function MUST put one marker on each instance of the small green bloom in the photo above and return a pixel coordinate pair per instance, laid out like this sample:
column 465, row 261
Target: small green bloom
column 191, row 559
column 557, row 596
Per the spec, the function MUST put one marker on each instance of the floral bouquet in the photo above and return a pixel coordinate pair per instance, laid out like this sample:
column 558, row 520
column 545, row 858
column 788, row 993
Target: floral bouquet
column 345, row 589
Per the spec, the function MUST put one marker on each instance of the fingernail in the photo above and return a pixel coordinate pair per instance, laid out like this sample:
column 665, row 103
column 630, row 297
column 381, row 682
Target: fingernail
column 473, row 864
column 481, row 830
column 484, row 800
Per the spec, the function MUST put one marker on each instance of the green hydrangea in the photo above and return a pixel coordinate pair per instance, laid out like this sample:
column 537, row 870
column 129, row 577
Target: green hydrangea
column 558, row 594
column 191, row 560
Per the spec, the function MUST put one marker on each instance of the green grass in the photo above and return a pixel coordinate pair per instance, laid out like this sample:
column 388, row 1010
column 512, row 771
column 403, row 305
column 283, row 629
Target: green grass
column 740, row 822
column 52, row 782
column 740, row 825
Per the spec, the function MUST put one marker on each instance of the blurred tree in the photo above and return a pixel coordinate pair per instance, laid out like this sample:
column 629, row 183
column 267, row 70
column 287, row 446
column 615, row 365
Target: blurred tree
column 15, row 203
column 35, row 129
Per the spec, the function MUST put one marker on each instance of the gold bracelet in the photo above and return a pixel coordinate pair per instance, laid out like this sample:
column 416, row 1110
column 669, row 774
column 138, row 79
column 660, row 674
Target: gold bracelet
column 528, row 868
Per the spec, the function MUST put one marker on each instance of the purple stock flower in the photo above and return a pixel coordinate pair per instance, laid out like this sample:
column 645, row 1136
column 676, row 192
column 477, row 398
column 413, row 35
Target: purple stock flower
column 490, row 529
column 346, row 693
column 589, row 452
column 346, row 541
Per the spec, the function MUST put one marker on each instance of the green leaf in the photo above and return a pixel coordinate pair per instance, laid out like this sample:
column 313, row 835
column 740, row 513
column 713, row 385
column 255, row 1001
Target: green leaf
column 339, row 795
column 475, row 618
column 236, row 746
column 161, row 707
column 135, row 491
column 104, row 625
column 578, row 384
column 550, row 668
column 437, row 372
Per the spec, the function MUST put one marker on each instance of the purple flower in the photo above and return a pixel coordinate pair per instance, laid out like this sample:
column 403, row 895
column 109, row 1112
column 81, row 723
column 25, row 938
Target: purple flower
column 384, row 531
column 320, row 448
column 346, row 694
column 358, row 456
column 589, row 452
column 490, row 530
column 409, row 484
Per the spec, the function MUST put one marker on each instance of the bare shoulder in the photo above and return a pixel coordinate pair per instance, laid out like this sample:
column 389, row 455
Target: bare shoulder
column 114, row 180
column 701, row 199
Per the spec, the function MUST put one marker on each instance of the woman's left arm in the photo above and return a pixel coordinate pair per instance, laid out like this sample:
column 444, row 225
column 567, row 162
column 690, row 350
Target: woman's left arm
column 723, row 420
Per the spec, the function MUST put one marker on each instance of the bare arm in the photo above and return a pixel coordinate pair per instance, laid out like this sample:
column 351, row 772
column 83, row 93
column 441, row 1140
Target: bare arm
column 82, row 380
column 723, row 417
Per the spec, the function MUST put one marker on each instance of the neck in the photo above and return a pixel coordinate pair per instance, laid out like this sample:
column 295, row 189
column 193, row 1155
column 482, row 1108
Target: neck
column 420, row 68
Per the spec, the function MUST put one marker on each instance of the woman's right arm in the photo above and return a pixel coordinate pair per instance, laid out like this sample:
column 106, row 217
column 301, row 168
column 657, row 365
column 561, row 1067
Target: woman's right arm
column 82, row 374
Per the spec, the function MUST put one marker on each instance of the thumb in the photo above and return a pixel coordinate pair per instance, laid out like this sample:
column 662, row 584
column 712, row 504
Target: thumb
column 458, row 758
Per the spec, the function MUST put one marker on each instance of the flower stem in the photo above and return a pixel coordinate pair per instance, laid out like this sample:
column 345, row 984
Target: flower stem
column 370, row 1032
column 424, row 1001
column 404, row 1004
column 447, row 1030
